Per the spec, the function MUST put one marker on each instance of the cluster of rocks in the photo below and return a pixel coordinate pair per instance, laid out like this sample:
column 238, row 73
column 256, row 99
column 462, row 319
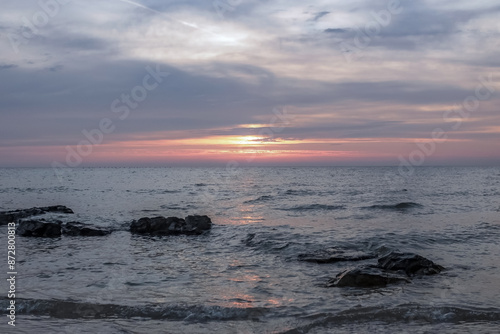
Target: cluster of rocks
column 171, row 225
column 14, row 216
column 394, row 267
column 53, row 228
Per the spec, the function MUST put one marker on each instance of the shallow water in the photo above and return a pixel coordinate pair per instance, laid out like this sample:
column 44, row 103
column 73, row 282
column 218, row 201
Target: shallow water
column 244, row 275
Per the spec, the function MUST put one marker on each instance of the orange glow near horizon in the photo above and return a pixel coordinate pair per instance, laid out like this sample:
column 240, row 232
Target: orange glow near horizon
column 251, row 143
column 246, row 150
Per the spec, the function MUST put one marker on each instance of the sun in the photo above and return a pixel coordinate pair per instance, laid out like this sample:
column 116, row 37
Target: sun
column 249, row 140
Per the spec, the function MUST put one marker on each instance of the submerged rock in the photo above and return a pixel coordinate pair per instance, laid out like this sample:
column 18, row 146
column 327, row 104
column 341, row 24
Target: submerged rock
column 411, row 264
column 83, row 230
column 171, row 225
column 331, row 255
column 14, row 215
column 366, row 276
column 39, row 228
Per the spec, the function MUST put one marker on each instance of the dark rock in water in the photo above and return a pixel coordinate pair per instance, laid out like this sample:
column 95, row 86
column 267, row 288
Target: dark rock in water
column 411, row 264
column 366, row 276
column 158, row 226
column 39, row 228
column 199, row 223
column 142, row 225
column 83, row 230
column 171, row 225
column 13, row 216
column 56, row 208
column 331, row 255
column 392, row 268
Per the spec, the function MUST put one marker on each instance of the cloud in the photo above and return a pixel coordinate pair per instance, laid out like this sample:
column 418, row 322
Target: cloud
column 7, row 66
column 320, row 15
column 233, row 70
column 55, row 68
column 335, row 30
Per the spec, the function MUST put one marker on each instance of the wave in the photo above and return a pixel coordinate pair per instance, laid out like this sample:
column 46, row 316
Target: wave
column 332, row 255
column 260, row 199
column 293, row 192
column 56, row 189
column 64, row 309
column 314, row 207
column 176, row 207
column 402, row 314
column 267, row 242
column 399, row 206
column 483, row 234
column 155, row 191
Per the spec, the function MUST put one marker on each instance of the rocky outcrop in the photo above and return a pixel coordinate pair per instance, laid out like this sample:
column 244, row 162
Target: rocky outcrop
column 14, row 216
column 83, row 230
column 39, row 228
column 411, row 264
column 365, row 276
column 331, row 255
column 393, row 267
column 50, row 226
column 171, row 225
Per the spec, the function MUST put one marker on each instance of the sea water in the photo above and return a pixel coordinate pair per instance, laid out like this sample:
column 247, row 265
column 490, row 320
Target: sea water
column 244, row 276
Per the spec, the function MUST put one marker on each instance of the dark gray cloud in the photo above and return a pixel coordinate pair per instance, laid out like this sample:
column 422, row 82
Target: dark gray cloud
column 7, row 66
column 72, row 41
column 336, row 30
column 418, row 26
column 55, row 68
column 320, row 15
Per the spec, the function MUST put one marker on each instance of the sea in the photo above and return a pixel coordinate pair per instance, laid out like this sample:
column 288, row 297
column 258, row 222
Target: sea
column 245, row 274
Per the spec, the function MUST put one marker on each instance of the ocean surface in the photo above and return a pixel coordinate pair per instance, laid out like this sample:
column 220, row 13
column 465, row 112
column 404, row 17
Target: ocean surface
column 244, row 276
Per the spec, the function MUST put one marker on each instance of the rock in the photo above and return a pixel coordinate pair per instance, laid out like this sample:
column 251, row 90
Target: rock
column 142, row 225
column 13, row 216
column 199, row 223
column 331, row 255
column 171, row 225
column 157, row 225
column 411, row 264
column 39, row 228
column 365, row 276
column 83, row 230
column 57, row 208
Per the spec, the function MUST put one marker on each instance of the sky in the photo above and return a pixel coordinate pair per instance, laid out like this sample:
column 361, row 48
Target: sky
column 249, row 82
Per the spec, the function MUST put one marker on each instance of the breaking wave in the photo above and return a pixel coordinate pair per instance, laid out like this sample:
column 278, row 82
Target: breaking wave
column 63, row 309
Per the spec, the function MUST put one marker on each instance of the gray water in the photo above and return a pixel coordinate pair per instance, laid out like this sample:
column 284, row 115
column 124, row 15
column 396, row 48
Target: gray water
column 243, row 276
